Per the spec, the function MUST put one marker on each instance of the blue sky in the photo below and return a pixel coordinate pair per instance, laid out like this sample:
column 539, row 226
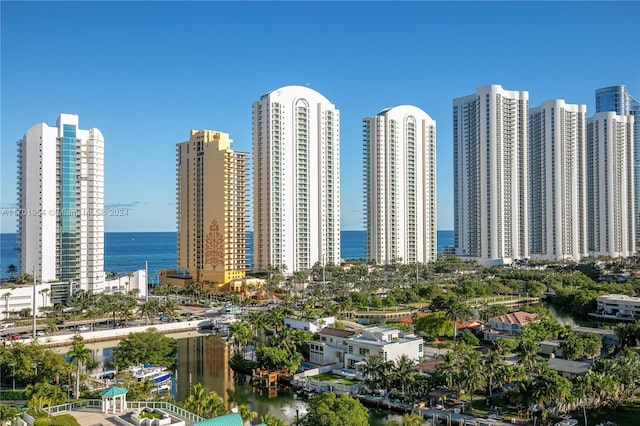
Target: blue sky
column 146, row 73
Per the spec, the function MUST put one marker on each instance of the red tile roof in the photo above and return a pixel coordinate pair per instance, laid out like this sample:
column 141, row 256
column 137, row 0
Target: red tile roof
column 516, row 318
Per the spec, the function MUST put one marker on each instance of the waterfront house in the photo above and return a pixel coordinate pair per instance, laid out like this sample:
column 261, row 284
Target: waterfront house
column 508, row 326
column 330, row 346
column 617, row 307
column 386, row 342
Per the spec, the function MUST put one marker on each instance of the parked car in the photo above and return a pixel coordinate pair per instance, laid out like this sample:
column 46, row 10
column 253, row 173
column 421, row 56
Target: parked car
column 186, row 314
column 163, row 318
column 84, row 328
column 40, row 333
column 12, row 336
column 7, row 325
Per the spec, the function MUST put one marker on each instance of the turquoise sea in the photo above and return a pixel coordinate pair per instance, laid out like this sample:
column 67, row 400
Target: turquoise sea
column 128, row 251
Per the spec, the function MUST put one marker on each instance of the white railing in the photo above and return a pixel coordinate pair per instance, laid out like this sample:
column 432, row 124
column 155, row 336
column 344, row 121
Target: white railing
column 97, row 403
column 167, row 407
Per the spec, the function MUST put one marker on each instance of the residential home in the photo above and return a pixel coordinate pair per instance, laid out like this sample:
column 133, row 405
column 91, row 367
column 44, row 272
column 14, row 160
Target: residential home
column 617, row 307
column 386, row 342
column 311, row 325
column 567, row 368
column 330, row 346
column 550, row 348
column 508, row 326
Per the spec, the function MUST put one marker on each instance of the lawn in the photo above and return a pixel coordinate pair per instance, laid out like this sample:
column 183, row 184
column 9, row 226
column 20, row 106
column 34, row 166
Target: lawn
column 326, row 377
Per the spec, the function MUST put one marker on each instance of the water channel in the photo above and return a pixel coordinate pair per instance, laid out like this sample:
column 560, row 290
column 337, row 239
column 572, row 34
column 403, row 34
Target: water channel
column 204, row 358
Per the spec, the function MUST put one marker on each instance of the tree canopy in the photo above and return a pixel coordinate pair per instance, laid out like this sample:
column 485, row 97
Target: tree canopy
column 329, row 409
column 147, row 347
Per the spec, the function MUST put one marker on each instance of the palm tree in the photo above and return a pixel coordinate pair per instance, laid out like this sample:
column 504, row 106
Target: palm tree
column 6, row 296
column 12, row 270
column 82, row 356
column 412, row 420
column 457, row 311
column 241, row 334
column 8, row 414
column 376, row 371
column 404, row 371
column 44, row 394
column 197, row 399
column 246, row 414
column 474, row 375
column 149, row 310
column 44, row 292
column 269, row 420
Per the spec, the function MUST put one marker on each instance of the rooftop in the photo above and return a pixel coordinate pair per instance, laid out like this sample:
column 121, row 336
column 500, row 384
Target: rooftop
column 519, row 317
column 336, row 332
column 568, row 366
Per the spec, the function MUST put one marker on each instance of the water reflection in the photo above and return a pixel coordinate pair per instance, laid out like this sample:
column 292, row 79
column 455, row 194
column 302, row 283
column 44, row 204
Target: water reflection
column 204, row 359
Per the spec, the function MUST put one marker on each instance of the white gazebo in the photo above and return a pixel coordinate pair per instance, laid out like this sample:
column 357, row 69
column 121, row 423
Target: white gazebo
column 114, row 398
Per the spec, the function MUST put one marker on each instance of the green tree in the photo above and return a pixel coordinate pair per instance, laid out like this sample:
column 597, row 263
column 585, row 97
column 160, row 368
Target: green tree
column 329, row 409
column 12, row 270
column 412, row 420
column 8, row 414
column 82, row 356
column 241, row 334
column 146, row 347
column 277, row 358
column 246, row 414
column 43, row 394
column 457, row 312
column 377, row 372
column 269, row 420
column 435, row 325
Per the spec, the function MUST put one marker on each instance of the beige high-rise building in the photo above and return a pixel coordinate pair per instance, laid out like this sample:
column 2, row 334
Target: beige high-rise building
column 211, row 208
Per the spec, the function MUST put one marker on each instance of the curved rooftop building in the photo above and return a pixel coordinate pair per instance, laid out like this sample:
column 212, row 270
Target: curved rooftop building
column 296, row 151
column 400, row 185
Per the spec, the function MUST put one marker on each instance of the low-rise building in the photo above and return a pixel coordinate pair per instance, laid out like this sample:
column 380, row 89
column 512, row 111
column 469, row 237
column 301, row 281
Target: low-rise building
column 508, row 326
column 386, row 342
column 311, row 325
column 569, row 369
column 550, row 347
column 330, row 346
column 617, row 307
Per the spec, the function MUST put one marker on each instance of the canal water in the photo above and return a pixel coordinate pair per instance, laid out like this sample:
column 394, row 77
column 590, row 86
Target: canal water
column 204, row 358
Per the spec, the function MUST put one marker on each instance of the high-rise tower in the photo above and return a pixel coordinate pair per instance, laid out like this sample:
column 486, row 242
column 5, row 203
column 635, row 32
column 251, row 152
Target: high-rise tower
column 557, row 192
column 400, row 185
column 211, row 208
column 611, row 185
column 61, row 202
column 490, row 134
column 619, row 100
column 296, row 151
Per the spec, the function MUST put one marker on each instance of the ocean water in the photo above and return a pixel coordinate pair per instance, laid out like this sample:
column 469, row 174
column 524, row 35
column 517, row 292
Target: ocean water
column 128, row 251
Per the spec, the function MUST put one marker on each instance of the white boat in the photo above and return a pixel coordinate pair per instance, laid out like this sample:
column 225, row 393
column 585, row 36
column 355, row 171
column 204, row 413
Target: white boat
column 225, row 320
column 160, row 376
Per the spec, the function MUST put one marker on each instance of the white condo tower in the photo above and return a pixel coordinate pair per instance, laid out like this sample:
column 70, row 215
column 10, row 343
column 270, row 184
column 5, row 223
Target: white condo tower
column 558, row 181
column 611, row 185
column 296, row 151
column 490, row 136
column 61, row 202
column 400, row 185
